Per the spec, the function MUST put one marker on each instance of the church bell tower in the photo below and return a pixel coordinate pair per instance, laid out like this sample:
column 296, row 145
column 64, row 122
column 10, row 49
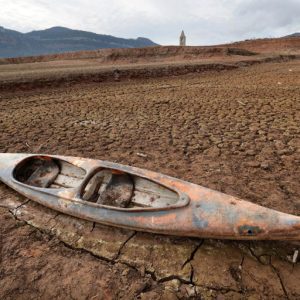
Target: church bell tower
column 182, row 39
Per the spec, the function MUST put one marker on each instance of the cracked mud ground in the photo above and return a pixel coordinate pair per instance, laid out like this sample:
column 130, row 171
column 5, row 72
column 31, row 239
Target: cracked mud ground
column 234, row 131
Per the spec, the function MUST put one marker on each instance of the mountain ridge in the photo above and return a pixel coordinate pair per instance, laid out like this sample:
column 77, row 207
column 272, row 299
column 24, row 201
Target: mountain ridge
column 59, row 40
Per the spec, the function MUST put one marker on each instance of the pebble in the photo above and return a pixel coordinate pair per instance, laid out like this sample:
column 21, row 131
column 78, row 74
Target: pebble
column 295, row 256
column 264, row 165
column 125, row 272
column 253, row 164
column 190, row 290
column 250, row 152
column 173, row 285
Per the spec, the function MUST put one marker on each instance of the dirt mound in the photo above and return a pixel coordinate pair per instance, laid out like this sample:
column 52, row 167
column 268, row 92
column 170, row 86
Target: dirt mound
column 111, row 75
column 54, row 74
column 149, row 54
column 281, row 45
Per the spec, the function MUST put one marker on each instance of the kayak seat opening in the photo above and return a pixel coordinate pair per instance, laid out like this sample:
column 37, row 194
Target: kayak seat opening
column 47, row 172
column 109, row 188
column 119, row 189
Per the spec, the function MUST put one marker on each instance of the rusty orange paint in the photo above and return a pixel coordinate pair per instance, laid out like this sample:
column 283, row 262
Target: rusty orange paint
column 202, row 212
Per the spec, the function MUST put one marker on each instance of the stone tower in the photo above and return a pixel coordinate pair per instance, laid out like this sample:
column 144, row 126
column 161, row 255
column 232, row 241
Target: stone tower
column 182, row 39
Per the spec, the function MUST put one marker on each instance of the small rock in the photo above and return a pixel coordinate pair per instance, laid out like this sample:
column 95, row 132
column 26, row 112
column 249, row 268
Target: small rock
column 150, row 295
column 168, row 295
column 143, row 271
column 190, row 290
column 173, row 285
column 250, row 152
column 265, row 259
column 279, row 145
column 213, row 152
column 254, row 128
column 285, row 151
column 125, row 272
column 265, row 165
column 295, row 256
column 253, row 164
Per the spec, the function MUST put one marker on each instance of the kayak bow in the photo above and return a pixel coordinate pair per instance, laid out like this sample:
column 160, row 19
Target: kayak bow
column 142, row 200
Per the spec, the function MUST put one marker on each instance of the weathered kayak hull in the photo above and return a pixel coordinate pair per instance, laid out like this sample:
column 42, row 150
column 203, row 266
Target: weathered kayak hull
column 205, row 213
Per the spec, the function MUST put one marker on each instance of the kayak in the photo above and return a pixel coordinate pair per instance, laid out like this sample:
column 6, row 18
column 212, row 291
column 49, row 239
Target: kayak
column 142, row 200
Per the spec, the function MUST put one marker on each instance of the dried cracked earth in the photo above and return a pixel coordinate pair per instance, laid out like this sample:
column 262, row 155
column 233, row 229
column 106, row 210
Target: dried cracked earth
column 235, row 131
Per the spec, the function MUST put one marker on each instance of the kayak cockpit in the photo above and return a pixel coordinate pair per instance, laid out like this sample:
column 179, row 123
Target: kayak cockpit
column 104, row 186
column 47, row 172
column 115, row 188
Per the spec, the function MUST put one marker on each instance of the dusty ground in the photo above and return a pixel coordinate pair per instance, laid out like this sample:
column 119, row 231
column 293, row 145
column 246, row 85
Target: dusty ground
column 70, row 71
column 236, row 131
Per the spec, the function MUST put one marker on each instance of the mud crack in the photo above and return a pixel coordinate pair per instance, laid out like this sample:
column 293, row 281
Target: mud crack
column 188, row 261
column 93, row 227
column 280, row 279
column 258, row 257
column 223, row 290
column 192, row 254
column 123, row 245
column 14, row 210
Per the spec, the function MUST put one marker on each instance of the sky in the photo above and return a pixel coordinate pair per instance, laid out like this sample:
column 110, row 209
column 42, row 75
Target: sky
column 205, row 22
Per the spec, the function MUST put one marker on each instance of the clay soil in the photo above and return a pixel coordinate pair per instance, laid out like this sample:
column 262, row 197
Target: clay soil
column 236, row 131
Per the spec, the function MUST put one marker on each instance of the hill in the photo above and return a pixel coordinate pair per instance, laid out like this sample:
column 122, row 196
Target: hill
column 59, row 40
column 284, row 45
column 296, row 34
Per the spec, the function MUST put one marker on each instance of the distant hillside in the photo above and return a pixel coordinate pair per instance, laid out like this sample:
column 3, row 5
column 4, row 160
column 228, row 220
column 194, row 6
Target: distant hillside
column 284, row 45
column 296, row 34
column 137, row 55
column 59, row 40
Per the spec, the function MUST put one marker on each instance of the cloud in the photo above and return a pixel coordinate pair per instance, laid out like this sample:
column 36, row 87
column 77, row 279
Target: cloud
column 204, row 21
column 264, row 17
